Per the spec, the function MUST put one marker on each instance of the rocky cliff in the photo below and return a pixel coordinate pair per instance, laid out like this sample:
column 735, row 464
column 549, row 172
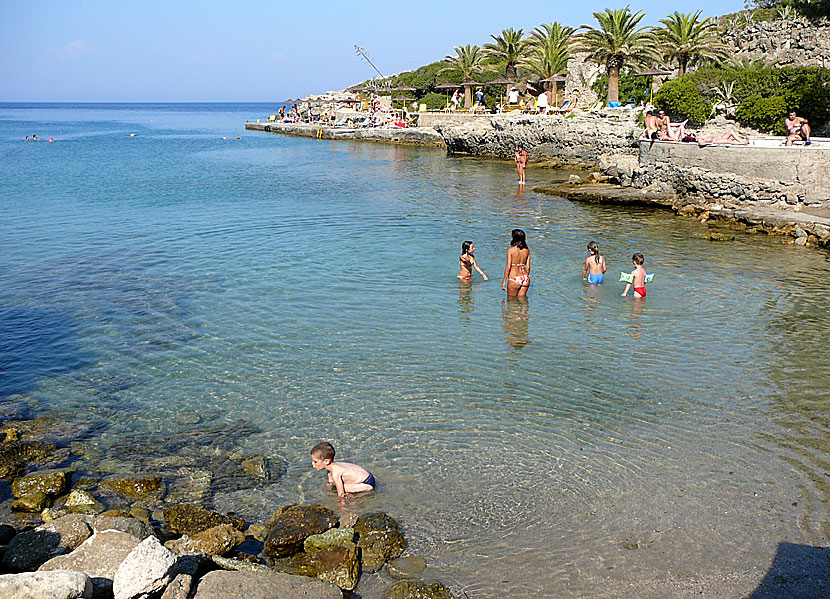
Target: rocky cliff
column 793, row 42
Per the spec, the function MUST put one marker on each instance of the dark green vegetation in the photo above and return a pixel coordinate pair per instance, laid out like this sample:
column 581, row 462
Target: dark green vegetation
column 761, row 95
column 812, row 9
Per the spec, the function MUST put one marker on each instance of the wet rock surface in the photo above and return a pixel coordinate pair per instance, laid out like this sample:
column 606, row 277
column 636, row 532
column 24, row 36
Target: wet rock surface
column 190, row 519
column 50, row 482
column 218, row 540
column 17, row 455
column 379, row 538
column 263, row 585
column 331, row 538
column 417, row 589
column 407, row 567
column 33, row 502
column 134, row 487
column 338, row 565
column 291, row 526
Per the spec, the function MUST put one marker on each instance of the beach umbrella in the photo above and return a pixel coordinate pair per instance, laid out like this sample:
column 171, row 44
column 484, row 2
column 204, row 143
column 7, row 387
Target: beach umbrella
column 448, row 86
column 404, row 100
column 557, row 79
column 467, row 84
column 502, row 81
column 653, row 73
column 404, row 88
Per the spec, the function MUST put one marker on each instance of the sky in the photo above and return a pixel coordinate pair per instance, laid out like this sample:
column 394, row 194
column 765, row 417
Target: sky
column 252, row 50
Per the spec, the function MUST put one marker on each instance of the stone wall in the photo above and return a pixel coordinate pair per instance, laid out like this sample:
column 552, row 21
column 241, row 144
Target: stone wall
column 795, row 42
column 775, row 175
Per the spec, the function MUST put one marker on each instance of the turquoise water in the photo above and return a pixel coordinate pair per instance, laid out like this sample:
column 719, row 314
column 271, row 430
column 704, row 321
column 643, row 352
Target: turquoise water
column 193, row 298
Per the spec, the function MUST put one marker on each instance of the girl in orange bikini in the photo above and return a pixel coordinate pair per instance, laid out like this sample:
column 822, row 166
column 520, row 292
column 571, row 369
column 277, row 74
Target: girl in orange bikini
column 467, row 262
column 517, row 272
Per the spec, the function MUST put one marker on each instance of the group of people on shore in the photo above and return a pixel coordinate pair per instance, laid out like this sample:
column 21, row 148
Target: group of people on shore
column 516, row 279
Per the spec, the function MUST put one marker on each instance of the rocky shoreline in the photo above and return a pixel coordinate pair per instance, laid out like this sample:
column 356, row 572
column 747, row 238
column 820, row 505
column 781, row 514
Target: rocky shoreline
column 126, row 536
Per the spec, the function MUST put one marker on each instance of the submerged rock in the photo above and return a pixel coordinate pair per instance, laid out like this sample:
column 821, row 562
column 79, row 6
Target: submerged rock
column 338, row 565
column 189, row 519
column 417, row 589
column 218, row 540
column 257, row 467
column 331, row 538
column 407, row 567
column 98, row 557
column 33, row 502
column 32, row 548
column 291, row 526
column 46, row 585
column 50, row 482
column 146, row 570
column 714, row 236
column 262, row 585
column 379, row 538
column 16, row 455
column 134, row 487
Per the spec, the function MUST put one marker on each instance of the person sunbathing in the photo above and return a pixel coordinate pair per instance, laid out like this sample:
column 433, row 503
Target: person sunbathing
column 730, row 138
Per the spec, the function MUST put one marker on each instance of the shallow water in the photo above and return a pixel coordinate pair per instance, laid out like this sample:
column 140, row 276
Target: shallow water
column 205, row 296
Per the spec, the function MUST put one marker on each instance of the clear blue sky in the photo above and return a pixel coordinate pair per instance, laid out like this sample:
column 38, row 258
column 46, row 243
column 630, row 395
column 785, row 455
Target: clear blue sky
column 251, row 50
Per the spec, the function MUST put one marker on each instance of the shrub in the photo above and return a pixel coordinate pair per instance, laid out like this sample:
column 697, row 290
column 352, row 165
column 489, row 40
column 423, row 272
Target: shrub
column 631, row 87
column 434, row 101
column 764, row 114
column 681, row 99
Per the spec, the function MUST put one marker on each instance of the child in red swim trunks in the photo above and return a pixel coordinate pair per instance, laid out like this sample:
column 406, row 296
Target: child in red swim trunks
column 638, row 276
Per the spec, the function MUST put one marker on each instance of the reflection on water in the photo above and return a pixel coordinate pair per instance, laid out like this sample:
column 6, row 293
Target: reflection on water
column 515, row 312
column 255, row 312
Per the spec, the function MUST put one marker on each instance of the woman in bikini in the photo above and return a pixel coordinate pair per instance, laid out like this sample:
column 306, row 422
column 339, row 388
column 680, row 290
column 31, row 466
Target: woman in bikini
column 517, row 272
column 467, row 262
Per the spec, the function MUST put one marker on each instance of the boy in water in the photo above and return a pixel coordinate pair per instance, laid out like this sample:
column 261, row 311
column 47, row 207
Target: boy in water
column 639, row 277
column 346, row 477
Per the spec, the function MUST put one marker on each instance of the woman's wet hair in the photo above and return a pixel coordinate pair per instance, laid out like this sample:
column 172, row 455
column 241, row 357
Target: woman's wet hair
column 593, row 247
column 465, row 247
column 519, row 239
column 638, row 258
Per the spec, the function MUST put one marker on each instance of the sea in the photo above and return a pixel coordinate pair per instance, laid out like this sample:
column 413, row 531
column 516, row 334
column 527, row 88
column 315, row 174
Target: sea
column 186, row 293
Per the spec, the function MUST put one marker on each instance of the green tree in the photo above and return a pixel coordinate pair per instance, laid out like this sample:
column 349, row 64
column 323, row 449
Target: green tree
column 509, row 48
column 550, row 49
column 688, row 40
column 467, row 62
column 616, row 42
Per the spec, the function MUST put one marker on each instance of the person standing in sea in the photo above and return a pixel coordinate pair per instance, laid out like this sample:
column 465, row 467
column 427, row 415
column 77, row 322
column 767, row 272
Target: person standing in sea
column 517, row 272
column 521, row 163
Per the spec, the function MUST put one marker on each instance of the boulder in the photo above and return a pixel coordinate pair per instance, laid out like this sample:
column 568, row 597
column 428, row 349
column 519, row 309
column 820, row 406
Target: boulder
column 6, row 533
column 98, row 557
column 379, row 538
column 16, row 455
column 238, row 565
column 338, row 565
column 257, row 531
column 46, row 585
column 137, row 528
column 179, row 588
column 263, row 585
column 32, row 548
column 146, row 570
column 80, row 501
column 218, row 540
column 417, row 589
column 51, row 513
column 134, row 487
column 331, row 538
column 189, row 519
column 33, row 502
column 407, row 567
column 292, row 525
column 50, row 482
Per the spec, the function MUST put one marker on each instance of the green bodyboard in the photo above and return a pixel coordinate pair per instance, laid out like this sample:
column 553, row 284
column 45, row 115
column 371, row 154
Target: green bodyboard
column 627, row 277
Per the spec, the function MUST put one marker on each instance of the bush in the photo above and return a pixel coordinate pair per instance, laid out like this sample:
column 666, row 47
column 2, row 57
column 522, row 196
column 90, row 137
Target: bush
column 681, row 99
column 631, row 87
column 764, row 114
column 434, row 101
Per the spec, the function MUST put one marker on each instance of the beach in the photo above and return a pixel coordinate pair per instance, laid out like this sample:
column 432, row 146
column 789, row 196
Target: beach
column 183, row 300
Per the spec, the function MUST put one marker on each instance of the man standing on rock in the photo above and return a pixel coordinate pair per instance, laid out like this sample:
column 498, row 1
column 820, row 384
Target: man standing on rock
column 798, row 129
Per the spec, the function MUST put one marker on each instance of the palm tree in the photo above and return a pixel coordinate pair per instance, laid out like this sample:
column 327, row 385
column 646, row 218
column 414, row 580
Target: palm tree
column 688, row 40
column 550, row 46
column 510, row 48
column 616, row 42
column 466, row 63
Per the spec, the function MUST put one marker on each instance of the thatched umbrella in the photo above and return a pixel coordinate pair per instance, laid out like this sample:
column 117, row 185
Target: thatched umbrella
column 403, row 99
column 654, row 73
column 502, row 81
column 468, row 96
column 556, row 80
column 448, row 86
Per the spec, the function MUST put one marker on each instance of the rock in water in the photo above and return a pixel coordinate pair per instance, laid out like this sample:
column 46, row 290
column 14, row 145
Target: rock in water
column 218, row 540
column 257, row 467
column 292, row 525
column 379, row 538
column 83, row 502
column 51, row 482
column 98, row 557
column 407, row 567
column 331, row 538
column 417, row 589
column 45, row 585
column 16, row 455
column 134, row 487
column 338, row 565
column 146, row 570
column 263, row 585
column 189, row 519
column 33, row 502
column 31, row 549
